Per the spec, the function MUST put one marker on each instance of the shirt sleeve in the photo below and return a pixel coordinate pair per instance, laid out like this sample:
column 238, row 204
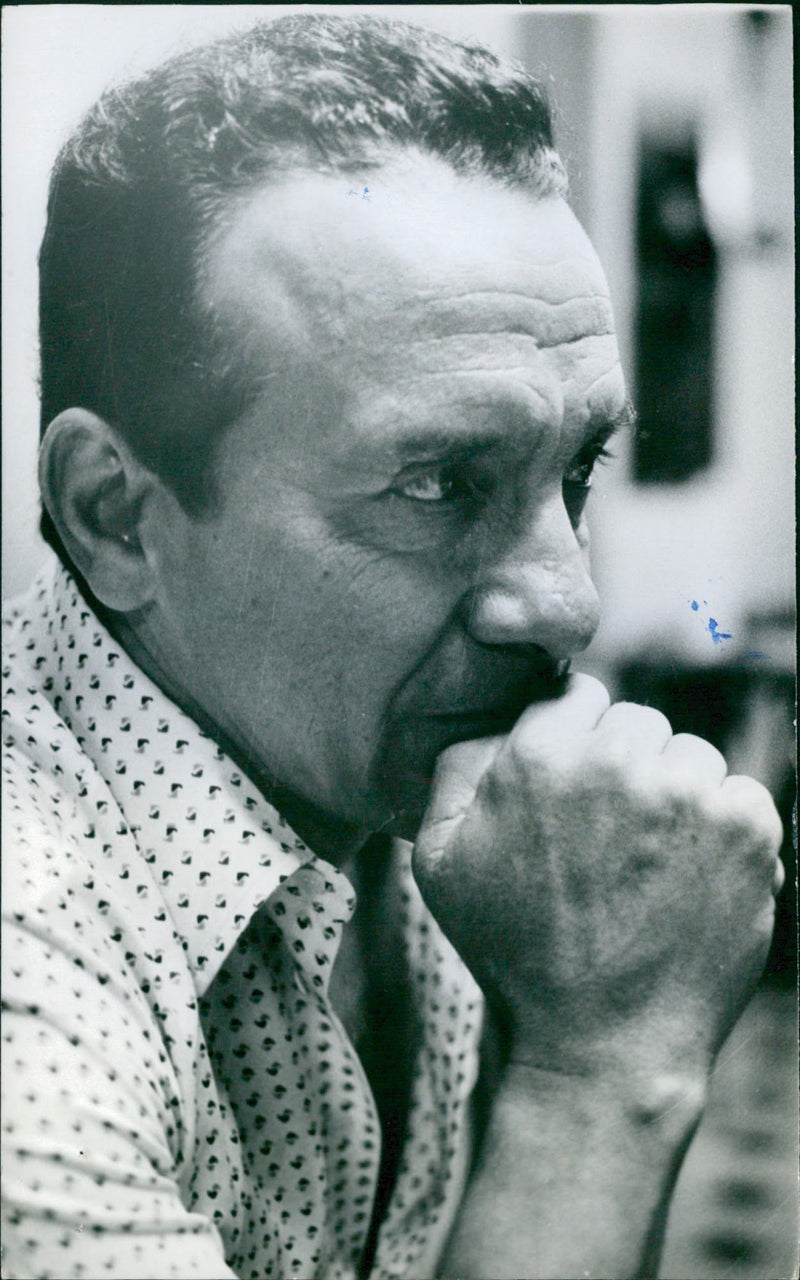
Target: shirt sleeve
column 91, row 1184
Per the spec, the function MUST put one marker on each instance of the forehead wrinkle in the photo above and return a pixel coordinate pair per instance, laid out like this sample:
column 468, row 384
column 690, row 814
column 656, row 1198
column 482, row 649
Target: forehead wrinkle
column 552, row 279
column 548, row 323
column 605, row 376
column 496, row 350
column 508, row 386
column 266, row 272
column 549, row 302
column 371, row 311
column 467, row 353
column 457, row 373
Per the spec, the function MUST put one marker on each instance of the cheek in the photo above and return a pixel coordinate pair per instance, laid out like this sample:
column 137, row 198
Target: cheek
column 329, row 617
column 372, row 596
column 381, row 622
column 379, row 629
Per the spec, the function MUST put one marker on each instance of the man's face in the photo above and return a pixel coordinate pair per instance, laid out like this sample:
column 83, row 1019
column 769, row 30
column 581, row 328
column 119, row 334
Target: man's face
column 398, row 557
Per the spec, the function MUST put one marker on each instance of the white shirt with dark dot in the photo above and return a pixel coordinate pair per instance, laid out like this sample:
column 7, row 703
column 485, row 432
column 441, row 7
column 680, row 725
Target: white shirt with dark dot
column 180, row 1097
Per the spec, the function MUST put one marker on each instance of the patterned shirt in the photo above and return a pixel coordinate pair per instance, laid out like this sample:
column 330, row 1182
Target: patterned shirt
column 181, row 1098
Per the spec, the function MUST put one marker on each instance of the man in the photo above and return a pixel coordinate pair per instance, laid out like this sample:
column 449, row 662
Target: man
column 327, row 363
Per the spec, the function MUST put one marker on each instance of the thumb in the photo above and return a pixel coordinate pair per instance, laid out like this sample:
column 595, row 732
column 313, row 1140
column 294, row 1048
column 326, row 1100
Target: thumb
column 458, row 771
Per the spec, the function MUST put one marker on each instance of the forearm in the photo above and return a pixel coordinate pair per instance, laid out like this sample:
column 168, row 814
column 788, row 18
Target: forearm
column 573, row 1178
column 610, row 889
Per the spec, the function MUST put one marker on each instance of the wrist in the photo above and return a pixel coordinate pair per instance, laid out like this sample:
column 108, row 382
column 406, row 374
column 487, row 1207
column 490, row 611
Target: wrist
column 655, row 1109
column 653, row 1051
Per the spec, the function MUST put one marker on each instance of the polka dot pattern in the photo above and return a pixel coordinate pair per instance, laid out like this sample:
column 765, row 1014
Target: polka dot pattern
column 182, row 1100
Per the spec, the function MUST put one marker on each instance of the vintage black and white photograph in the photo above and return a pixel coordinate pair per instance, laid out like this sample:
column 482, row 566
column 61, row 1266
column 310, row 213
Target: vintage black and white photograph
column 399, row 791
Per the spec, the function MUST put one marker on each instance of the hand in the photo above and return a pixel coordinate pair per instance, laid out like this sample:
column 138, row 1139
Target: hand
column 607, row 884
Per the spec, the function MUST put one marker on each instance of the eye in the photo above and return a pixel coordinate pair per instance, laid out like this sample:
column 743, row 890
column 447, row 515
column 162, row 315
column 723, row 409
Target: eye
column 435, row 482
column 579, row 471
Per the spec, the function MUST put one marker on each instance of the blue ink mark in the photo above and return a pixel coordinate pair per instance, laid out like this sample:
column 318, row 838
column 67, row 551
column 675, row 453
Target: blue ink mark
column 717, row 636
column 712, row 625
column 753, row 653
column 363, row 194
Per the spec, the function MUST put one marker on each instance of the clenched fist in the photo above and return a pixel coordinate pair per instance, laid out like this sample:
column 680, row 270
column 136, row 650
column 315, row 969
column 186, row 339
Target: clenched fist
column 607, row 883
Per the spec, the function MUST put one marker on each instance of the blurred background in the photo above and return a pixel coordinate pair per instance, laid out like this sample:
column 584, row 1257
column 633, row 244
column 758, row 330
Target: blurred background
column 676, row 125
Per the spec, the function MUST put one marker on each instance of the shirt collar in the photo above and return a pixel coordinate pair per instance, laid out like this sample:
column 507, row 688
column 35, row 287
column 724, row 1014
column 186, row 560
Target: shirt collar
column 216, row 848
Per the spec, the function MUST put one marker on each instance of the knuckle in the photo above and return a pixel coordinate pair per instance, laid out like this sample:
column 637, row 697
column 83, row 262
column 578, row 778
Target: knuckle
column 750, row 807
column 610, row 762
column 773, row 830
column 543, row 756
column 590, row 687
column 752, row 829
column 633, row 718
column 675, row 801
column 611, row 759
column 696, row 749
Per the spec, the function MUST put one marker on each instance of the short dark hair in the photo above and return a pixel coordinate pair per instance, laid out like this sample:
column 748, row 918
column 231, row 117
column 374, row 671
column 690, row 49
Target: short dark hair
column 138, row 189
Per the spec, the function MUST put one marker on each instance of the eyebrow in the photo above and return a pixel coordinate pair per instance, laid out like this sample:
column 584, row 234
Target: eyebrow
column 603, row 429
column 466, row 441
column 625, row 420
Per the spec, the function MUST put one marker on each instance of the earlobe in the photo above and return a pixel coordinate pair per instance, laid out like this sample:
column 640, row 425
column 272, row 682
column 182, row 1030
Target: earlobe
column 94, row 491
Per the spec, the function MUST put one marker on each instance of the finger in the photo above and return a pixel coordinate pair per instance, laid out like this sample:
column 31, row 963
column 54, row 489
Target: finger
column 458, row 771
column 751, row 807
column 639, row 728
column 751, row 803
column 577, row 710
column 695, row 759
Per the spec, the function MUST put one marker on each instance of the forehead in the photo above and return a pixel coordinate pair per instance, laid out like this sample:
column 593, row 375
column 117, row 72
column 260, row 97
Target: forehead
column 411, row 275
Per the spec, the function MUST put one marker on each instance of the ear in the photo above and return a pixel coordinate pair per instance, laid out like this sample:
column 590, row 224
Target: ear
column 94, row 490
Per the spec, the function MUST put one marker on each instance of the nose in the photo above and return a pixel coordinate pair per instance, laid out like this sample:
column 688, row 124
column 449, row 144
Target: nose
column 535, row 588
